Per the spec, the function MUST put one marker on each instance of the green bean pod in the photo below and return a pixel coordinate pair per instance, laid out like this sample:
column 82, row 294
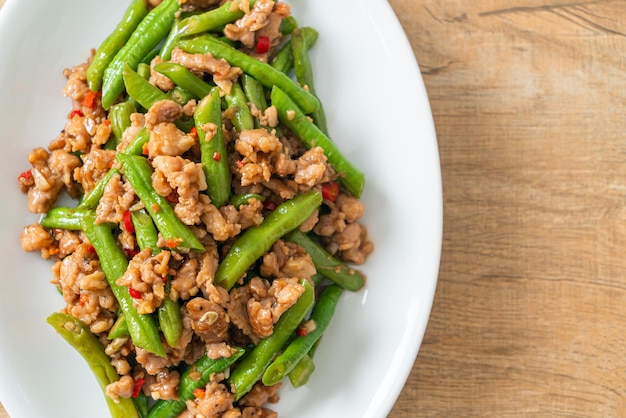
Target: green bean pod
column 302, row 371
column 184, row 78
column 76, row 333
column 331, row 267
column 264, row 73
column 133, row 15
column 138, row 172
column 189, row 381
column 211, row 20
column 71, row 219
column 213, row 151
column 119, row 328
column 169, row 312
column 238, row 102
column 119, row 115
column 294, row 118
column 257, row 240
column 242, row 199
column 283, row 59
column 142, row 328
column 149, row 33
column 140, row 89
column 304, row 74
column 251, row 368
column 323, row 312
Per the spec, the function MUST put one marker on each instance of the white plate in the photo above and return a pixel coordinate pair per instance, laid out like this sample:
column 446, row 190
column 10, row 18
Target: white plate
column 378, row 112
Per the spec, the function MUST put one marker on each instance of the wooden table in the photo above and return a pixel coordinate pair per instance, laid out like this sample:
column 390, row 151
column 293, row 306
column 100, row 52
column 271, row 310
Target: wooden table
column 529, row 317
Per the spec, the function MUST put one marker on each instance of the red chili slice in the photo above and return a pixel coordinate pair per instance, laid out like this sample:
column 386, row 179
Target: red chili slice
column 135, row 294
column 138, row 384
column 262, row 45
column 330, row 191
column 128, row 222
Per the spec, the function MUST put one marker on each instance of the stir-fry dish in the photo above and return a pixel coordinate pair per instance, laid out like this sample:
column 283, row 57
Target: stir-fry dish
column 213, row 223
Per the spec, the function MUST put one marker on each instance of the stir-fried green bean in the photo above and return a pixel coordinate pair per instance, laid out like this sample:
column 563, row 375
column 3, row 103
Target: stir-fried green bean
column 139, row 174
column 323, row 311
column 255, row 241
column 148, row 34
column 264, row 73
column 76, row 333
column 213, row 151
column 327, row 265
column 295, row 119
column 134, row 14
column 251, row 368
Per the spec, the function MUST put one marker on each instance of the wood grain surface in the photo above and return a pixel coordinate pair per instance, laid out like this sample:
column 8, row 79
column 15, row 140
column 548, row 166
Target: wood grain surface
column 529, row 318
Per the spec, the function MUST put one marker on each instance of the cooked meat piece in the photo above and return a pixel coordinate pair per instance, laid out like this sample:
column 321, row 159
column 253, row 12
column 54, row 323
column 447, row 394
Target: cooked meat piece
column 146, row 276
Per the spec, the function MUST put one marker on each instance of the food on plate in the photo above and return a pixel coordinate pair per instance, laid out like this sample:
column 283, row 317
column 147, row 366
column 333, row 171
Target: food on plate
column 214, row 224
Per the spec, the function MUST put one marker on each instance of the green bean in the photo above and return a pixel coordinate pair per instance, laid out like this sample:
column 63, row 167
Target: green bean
column 264, row 73
column 139, row 174
column 119, row 115
column 140, row 89
column 71, row 219
column 331, row 267
column 119, row 328
column 300, row 374
column 145, row 231
column 180, row 95
column 169, row 312
column 212, row 19
column 288, row 25
column 134, row 14
column 141, row 403
column 238, row 102
column 137, row 144
column 294, row 118
column 189, row 381
column 323, row 312
column 304, row 74
column 154, row 26
column 213, row 151
column 257, row 240
column 255, row 93
column 251, row 368
column 87, row 345
column 142, row 328
column 184, row 78
column 90, row 200
column 170, row 41
column 242, row 199
column 283, row 59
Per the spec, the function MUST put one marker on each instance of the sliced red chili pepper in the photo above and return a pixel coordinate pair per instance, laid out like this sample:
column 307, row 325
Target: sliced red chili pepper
column 91, row 249
column 107, row 122
column 330, row 191
column 128, row 222
column 262, row 44
column 26, row 175
column 76, row 112
column 217, row 156
column 135, row 294
column 193, row 131
column 301, row 332
column 138, row 384
column 199, row 393
column 89, row 100
column 171, row 243
column 144, row 149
